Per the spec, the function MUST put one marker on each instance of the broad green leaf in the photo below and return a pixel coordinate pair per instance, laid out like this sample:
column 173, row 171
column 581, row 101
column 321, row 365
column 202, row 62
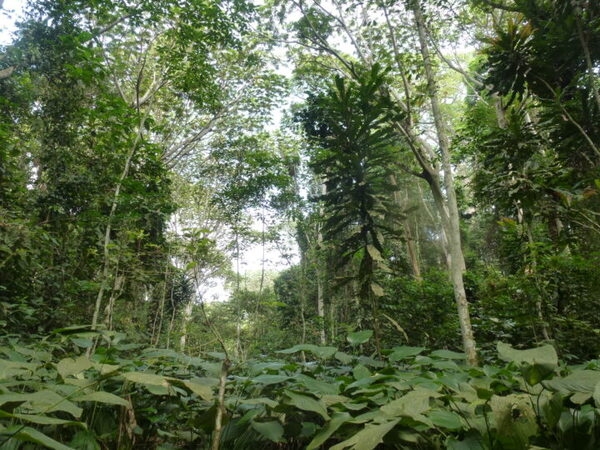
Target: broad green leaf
column 28, row 434
column 272, row 430
column 472, row 441
column 413, row 404
column 329, row 399
column 270, row 379
column 160, row 353
column 355, row 406
column 102, row 397
column 368, row 438
column 69, row 366
column 217, row 355
column 540, row 362
column 404, row 352
column 344, row 358
column 338, row 419
column 260, row 401
column 514, row 419
column 158, row 390
column 10, row 369
column 149, row 379
column 203, row 391
column 545, row 355
column 318, row 387
column 106, row 368
column 42, row 420
column 307, row 403
column 359, row 337
column 82, row 342
column 258, row 368
column 320, row 352
column 448, row 420
column 361, row 372
column 596, row 395
column 44, row 401
column 85, row 440
column 447, row 354
column 580, row 381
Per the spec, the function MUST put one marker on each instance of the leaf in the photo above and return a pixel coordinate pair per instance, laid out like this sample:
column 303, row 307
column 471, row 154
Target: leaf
column 28, row 434
column 368, row 438
column 321, row 352
column 272, row 430
column 82, row 342
column 448, row 420
column 338, row 419
column 42, row 420
column 10, row 369
column 344, row 358
column 447, row 354
column 260, row 401
column 404, row 352
column 102, row 397
column 514, row 419
column 540, row 362
column 306, row 403
column 374, row 253
column 472, row 441
column 412, row 405
column 203, row 391
column 359, row 337
column 69, row 366
column 397, row 326
column 596, row 395
column 544, row 355
column 270, row 379
column 318, row 387
column 150, row 379
column 361, row 372
column 377, row 290
column 44, row 401
column 580, row 381
column 85, row 440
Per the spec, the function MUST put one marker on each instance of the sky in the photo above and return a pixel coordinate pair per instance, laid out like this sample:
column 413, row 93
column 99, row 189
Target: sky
column 9, row 12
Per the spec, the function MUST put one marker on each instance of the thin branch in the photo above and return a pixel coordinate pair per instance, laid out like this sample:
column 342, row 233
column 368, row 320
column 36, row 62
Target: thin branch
column 568, row 116
column 588, row 60
column 405, row 84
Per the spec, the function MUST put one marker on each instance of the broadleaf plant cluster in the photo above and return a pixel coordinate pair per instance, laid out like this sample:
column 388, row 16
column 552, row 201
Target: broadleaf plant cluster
column 309, row 396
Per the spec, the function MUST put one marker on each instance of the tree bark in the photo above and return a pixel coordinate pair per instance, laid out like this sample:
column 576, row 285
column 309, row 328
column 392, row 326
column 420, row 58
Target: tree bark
column 456, row 262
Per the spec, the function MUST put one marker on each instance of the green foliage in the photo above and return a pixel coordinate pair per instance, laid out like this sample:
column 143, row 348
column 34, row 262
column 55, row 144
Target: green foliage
column 423, row 309
column 129, row 396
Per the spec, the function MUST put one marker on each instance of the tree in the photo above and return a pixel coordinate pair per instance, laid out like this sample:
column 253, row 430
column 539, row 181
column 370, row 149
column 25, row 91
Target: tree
column 379, row 33
column 354, row 157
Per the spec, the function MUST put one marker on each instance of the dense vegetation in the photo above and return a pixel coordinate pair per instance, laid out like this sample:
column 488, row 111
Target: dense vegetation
column 396, row 203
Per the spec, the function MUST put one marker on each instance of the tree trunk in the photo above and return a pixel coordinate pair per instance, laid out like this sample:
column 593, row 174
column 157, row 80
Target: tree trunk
column 185, row 319
column 456, row 262
column 320, row 288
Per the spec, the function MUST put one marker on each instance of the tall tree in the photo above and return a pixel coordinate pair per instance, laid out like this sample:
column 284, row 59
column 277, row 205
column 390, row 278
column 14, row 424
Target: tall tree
column 400, row 35
column 351, row 124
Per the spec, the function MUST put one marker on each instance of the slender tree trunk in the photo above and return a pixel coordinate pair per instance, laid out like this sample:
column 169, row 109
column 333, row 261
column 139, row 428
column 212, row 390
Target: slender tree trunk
column 320, row 287
column 105, row 273
column 173, row 314
column 456, row 257
column 185, row 320
column 413, row 254
column 532, row 271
